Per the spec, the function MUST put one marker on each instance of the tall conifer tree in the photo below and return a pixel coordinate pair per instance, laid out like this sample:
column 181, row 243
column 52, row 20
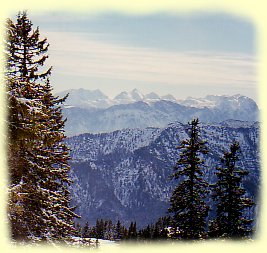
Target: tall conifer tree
column 38, row 158
column 230, row 198
column 22, row 126
column 25, row 52
column 188, row 208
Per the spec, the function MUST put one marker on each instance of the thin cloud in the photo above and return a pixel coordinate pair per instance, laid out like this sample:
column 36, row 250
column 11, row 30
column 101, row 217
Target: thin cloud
column 80, row 54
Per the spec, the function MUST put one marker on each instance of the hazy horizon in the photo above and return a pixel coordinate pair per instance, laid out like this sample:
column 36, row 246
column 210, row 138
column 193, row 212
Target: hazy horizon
column 146, row 93
column 182, row 55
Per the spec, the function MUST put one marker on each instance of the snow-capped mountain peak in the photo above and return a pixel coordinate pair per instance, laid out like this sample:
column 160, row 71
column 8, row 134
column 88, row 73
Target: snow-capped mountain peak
column 85, row 98
column 152, row 96
column 123, row 95
column 222, row 102
column 136, row 95
column 131, row 96
column 169, row 97
column 96, row 98
column 199, row 102
column 92, row 111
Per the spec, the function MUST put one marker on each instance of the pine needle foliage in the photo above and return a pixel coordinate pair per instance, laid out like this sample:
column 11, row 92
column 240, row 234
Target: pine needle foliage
column 39, row 199
column 230, row 198
column 187, row 203
column 25, row 52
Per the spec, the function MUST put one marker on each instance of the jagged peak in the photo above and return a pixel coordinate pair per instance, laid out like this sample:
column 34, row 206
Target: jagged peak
column 152, row 95
column 168, row 97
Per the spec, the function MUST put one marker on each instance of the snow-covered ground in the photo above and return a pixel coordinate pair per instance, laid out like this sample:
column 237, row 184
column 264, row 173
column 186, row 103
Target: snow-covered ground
column 78, row 241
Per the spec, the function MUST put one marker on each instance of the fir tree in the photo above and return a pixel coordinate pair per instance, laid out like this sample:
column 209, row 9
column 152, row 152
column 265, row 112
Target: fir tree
column 230, row 198
column 163, row 223
column 156, row 232
column 124, row 232
column 23, row 128
column 25, row 52
column 145, row 233
column 164, row 233
column 92, row 232
column 54, row 156
column 100, row 229
column 118, row 231
column 109, row 230
column 188, row 208
column 132, row 232
column 78, row 229
column 37, row 157
column 86, row 232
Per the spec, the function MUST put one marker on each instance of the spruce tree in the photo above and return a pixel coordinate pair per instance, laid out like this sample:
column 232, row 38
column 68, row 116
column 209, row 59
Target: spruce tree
column 78, row 229
column 132, row 232
column 85, row 232
column 23, row 128
column 55, row 167
column 118, row 231
column 25, row 52
column 100, row 229
column 146, row 233
column 156, row 232
column 37, row 157
column 187, row 203
column 109, row 230
column 230, row 198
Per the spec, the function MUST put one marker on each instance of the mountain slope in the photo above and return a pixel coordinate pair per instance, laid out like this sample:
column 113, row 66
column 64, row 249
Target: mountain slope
column 92, row 111
column 157, row 114
column 125, row 174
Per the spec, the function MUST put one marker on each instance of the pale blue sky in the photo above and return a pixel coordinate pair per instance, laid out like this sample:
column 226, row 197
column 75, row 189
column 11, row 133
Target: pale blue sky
column 185, row 55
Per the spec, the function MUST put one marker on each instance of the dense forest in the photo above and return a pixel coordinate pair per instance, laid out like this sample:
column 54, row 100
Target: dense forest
column 39, row 207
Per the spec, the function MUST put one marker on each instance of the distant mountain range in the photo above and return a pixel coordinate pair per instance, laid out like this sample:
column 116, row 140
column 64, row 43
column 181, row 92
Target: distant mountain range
column 97, row 99
column 123, row 149
column 92, row 111
column 125, row 174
